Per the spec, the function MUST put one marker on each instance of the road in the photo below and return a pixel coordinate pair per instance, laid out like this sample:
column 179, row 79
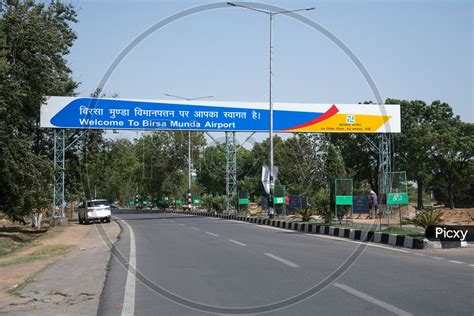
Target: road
column 191, row 265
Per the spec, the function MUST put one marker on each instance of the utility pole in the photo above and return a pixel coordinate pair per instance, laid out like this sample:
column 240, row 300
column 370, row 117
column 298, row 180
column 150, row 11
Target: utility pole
column 270, row 14
column 190, row 162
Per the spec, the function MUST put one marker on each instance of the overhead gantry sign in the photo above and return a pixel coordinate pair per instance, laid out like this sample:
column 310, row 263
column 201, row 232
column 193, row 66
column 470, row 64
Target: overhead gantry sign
column 132, row 114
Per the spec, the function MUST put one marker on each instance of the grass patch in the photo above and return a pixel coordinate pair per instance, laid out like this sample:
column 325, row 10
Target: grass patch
column 404, row 232
column 13, row 242
column 373, row 228
column 7, row 245
column 43, row 252
column 53, row 231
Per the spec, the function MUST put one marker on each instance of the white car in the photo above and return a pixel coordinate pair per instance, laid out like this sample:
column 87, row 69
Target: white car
column 92, row 210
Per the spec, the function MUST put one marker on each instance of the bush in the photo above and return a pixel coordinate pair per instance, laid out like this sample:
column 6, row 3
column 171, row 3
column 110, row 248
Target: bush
column 306, row 214
column 207, row 200
column 214, row 203
column 219, row 203
column 425, row 218
column 321, row 204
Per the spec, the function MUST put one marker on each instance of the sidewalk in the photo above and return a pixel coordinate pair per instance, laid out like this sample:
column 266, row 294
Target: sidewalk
column 72, row 285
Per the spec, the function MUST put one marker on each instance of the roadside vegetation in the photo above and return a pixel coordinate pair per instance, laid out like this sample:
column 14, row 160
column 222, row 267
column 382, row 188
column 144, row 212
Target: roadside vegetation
column 19, row 244
column 435, row 148
column 40, row 253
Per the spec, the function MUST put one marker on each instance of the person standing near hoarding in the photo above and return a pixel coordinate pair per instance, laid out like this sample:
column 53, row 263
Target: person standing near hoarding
column 374, row 204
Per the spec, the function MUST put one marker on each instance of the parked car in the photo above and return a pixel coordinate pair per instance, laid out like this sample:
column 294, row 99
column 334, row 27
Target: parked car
column 94, row 210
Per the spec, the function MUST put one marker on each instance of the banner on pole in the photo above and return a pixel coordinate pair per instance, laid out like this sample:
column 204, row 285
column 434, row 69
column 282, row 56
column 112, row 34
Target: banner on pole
column 266, row 177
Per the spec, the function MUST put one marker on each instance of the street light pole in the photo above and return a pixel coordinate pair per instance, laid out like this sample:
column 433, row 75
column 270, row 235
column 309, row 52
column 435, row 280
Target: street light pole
column 270, row 97
column 190, row 163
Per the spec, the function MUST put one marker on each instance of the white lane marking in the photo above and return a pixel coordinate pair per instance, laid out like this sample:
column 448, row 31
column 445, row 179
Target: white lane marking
column 271, row 227
column 288, row 263
column 181, row 224
column 195, row 228
column 237, row 242
column 372, row 300
column 471, row 265
column 172, row 221
column 128, row 308
column 212, row 234
column 350, row 241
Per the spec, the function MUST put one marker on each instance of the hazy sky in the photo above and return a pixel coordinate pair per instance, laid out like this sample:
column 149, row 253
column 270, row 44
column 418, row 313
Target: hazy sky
column 413, row 50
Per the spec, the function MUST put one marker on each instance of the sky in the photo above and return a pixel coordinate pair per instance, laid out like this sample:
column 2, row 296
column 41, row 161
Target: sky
column 412, row 49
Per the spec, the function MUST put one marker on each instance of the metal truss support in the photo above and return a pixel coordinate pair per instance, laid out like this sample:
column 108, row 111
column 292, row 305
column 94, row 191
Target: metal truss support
column 385, row 167
column 230, row 167
column 59, row 168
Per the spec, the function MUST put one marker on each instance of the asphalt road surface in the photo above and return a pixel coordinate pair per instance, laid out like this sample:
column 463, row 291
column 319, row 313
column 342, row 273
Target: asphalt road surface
column 191, row 265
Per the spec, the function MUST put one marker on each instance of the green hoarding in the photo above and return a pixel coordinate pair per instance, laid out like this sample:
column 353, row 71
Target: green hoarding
column 243, row 201
column 179, row 202
column 279, row 200
column 344, row 200
column 397, row 198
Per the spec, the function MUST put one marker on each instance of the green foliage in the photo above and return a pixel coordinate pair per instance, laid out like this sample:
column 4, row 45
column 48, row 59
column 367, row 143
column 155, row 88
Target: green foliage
column 214, row 203
column 335, row 167
column 320, row 202
column 212, row 171
column 453, row 154
column 34, row 38
column 426, row 217
column 306, row 214
column 435, row 147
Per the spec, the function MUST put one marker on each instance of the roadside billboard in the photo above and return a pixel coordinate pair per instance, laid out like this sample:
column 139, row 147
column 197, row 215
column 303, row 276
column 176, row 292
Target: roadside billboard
column 132, row 114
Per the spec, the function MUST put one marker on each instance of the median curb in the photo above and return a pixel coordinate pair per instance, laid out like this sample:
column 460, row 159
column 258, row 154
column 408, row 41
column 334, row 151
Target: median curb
column 310, row 228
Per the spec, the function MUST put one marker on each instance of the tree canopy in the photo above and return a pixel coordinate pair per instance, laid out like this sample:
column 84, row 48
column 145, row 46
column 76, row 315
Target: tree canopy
column 435, row 147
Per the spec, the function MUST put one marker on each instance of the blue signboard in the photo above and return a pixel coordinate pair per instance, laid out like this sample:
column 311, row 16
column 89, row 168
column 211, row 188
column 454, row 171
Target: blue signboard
column 71, row 112
column 360, row 204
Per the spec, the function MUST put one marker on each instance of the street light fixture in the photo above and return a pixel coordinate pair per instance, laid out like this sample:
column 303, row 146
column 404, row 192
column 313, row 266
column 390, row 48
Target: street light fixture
column 189, row 142
column 270, row 14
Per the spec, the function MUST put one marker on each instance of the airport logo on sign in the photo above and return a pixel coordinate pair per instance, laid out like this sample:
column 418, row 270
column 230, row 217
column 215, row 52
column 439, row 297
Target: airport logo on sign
column 350, row 119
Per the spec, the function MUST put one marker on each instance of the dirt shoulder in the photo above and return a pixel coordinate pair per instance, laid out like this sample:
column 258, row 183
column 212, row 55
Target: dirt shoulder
column 61, row 270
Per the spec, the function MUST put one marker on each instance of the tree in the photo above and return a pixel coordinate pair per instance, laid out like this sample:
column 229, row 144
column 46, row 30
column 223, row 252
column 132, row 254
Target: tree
column 34, row 38
column 435, row 147
column 413, row 146
column 453, row 155
column 212, row 173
